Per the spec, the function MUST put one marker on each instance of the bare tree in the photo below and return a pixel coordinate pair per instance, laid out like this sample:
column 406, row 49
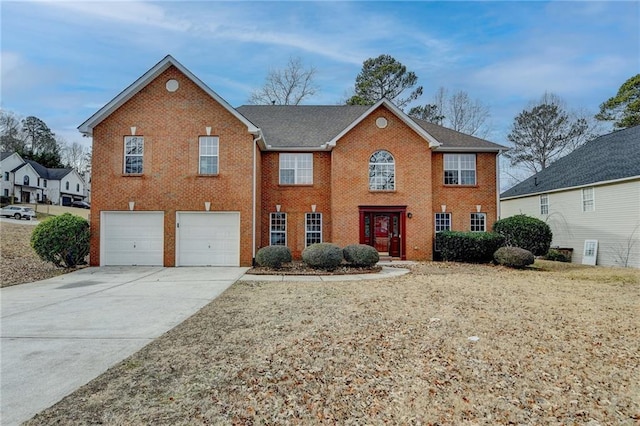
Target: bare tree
column 458, row 112
column 288, row 86
column 74, row 155
column 544, row 133
column 11, row 137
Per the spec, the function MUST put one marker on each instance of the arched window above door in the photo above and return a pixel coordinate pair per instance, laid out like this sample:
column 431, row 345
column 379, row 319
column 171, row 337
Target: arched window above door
column 382, row 171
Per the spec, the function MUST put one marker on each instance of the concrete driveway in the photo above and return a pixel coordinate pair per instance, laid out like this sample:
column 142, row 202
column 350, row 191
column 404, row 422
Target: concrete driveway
column 60, row 333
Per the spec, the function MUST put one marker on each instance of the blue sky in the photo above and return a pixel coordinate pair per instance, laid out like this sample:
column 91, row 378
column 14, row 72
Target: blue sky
column 62, row 60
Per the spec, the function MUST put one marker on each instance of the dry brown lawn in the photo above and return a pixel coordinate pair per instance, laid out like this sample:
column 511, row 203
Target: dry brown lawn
column 556, row 345
column 18, row 262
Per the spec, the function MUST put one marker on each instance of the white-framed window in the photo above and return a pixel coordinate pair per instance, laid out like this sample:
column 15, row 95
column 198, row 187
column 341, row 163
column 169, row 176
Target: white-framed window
column 6, row 192
column 588, row 200
column 544, row 204
column 77, row 187
column 296, row 169
column 313, row 228
column 45, row 183
column 478, row 222
column 443, row 222
column 278, row 229
column 66, row 185
column 382, row 171
column 133, row 153
column 459, row 169
column 208, row 157
column 25, row 180
column 6, row 176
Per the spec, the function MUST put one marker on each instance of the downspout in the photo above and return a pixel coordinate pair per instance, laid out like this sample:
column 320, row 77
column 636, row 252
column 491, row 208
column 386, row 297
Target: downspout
column 498, row 184
column 254, row 195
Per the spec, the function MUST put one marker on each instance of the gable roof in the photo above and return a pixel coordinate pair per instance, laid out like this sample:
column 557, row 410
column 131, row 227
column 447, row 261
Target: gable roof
column 49, row 173
column 4, row 155
column 607, row 158
column 86, row 128
column 316, row 127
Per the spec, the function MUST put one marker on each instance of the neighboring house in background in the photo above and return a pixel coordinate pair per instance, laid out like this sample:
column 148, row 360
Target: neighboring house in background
column 592, row 194
column 30, row 182
column 181, row 178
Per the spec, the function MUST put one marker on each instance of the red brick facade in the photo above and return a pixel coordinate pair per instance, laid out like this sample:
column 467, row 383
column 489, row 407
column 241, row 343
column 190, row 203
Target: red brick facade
column 171, row 123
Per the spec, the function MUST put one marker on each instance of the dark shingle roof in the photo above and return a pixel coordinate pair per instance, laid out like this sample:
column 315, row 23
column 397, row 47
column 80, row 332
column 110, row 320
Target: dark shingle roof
column 307, row 126
column 48, row 173
column 310, row 126
column 4, row 155
column 609, row 157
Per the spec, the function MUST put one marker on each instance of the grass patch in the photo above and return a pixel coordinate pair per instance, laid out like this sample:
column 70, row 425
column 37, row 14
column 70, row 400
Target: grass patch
column 554, row 348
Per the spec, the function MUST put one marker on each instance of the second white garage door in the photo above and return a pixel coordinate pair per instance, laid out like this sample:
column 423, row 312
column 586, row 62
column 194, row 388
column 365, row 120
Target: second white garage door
column 208, row 239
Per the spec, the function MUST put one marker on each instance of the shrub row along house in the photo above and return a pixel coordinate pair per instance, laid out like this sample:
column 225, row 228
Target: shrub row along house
column 182, row 178
column 590, row 199
column 27, row 181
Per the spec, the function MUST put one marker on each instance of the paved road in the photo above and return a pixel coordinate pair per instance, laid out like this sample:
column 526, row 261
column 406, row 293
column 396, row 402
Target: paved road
column 19, row 222
column 60, row 333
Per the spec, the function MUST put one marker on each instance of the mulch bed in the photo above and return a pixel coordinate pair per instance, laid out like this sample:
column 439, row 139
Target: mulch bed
column 300, row 268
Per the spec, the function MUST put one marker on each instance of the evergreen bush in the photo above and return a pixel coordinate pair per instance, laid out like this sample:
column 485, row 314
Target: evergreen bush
column 273, row 256
column 525, row 232
column 62, row 240
column 322, row 256
column 361, row 255
column 513, row 257
column 473, row 247
column 557, row 255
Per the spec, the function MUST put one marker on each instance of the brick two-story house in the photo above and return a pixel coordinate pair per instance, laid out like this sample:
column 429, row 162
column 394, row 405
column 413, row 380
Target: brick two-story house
column 182, row 178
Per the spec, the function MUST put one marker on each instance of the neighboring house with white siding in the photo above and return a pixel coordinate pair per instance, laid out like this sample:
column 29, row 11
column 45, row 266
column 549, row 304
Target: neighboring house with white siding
column 592, row 194
column 30, row 182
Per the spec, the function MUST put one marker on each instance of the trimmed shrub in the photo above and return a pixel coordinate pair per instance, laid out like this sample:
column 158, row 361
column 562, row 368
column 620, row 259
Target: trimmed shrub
column 473, row 247
column 273, row 256
column 557, row 255
column 525, row 232
column 62, row 240
column 513, row 257
column 361, row 255
column 322, row 256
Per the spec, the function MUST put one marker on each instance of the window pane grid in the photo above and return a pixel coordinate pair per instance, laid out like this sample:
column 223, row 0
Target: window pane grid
column 478, row 221
column 382, row 171
column 313, row 228
column 459, row 169
column 544, row 204
column 588, row 204
column 278, row 229
column 133, row 153
column 296, row 169
column 208, row 164
column 443, row 222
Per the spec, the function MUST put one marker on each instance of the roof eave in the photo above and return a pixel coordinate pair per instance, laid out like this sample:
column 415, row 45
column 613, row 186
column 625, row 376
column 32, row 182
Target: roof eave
column 433, row 142
column 442, row 148
column 87, row 127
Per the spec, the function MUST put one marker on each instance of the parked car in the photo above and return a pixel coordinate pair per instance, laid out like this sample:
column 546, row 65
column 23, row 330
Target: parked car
column 81, row 204
column 18, row 212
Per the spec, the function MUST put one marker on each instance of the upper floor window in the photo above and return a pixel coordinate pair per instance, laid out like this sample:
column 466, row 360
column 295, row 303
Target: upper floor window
column 459, row 169
column 296, row 169
column 544, row 204
column 278, row 229
column 313, row 228
column 588, row 200
column 133, row 152
column 478, row 222
column 382, row 171
column 6, row 175
column 66, row 185
column 77, row 187
column 209, row 146
column 44, row 183
column 25, row 180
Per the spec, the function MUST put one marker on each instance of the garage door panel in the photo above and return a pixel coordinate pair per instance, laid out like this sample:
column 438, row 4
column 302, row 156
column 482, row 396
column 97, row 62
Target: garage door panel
column 132, row 238
column 208, row 239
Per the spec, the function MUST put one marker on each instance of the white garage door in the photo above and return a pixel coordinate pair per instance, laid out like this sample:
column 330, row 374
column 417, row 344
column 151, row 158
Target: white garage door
column 208, row 239
column 132, row 238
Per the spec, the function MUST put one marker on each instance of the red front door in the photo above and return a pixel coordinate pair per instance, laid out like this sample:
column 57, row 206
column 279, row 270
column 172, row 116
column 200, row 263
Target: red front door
column 381, row 231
